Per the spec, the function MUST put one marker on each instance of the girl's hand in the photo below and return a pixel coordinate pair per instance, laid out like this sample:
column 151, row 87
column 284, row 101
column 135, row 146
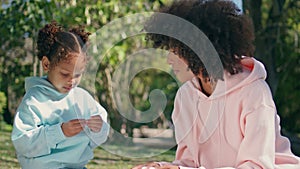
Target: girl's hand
column 95, row 123
column 73, row 127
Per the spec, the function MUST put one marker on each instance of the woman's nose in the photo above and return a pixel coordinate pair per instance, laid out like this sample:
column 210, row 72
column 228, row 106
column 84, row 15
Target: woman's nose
column 170, row 59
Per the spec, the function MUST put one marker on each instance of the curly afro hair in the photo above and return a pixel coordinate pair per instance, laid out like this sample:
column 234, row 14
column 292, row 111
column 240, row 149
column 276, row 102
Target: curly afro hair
column 229, row 31
column 57, row 44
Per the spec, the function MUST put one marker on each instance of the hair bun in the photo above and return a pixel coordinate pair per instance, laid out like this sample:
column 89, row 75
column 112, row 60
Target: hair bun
column 79, row 31
column 46, row 38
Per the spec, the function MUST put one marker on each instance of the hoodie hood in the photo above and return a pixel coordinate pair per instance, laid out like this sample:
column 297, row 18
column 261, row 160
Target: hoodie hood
column 252, row 70
column 43, row 84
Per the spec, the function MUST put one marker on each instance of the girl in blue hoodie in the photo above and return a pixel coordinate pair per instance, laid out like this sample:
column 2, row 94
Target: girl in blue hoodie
column 57, row 124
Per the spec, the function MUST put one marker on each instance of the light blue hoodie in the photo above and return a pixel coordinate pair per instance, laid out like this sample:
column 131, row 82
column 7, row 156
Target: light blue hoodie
column 37, row 134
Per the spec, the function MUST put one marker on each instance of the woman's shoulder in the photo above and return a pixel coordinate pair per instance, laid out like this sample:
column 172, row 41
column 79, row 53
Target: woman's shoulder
column 185, row 87
column 257, row 87
column 188, row 90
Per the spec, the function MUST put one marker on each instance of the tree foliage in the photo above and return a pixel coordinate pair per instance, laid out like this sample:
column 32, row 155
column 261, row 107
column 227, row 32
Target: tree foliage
column 23, row 19
column 277, row 31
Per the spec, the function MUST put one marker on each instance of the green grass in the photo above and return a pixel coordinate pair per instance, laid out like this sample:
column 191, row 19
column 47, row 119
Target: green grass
column 102, row 159
column 7, row 153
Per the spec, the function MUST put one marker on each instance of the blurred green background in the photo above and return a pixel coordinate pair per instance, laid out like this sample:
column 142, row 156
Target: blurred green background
column 277, row 29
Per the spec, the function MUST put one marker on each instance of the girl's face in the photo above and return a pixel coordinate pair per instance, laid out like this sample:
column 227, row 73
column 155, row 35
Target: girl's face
column 180, row 68
column 67, row 73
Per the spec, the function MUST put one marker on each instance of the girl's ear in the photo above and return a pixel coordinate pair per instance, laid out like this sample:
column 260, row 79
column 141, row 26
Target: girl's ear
column 46, row 64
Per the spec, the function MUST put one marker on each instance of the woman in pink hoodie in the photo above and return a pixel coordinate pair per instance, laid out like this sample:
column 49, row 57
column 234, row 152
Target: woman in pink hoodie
column 225, row 117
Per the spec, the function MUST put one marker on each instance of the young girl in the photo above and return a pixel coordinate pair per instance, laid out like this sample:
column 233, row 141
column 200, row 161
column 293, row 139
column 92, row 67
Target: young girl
column 58, row 124
column 222, row 121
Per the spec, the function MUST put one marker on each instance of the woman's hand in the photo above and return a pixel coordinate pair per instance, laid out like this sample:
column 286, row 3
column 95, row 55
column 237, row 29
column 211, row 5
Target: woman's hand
column 95, row 123
column 155, row 165
column 73, row 127
column 169, row 167
column 151, row 165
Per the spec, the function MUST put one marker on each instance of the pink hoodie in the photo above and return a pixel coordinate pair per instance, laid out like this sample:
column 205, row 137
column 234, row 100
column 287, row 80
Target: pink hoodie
column 236, row 127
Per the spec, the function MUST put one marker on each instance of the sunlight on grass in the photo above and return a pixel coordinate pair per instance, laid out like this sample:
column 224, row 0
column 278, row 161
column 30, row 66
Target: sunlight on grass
column 104, row 159
column 7, row 151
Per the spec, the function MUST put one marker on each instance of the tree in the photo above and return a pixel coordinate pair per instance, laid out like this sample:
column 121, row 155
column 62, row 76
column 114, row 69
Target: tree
column 22, row 20
column 277, row 30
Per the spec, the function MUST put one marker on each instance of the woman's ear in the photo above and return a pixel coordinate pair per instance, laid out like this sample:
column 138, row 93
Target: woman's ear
column 46, row 64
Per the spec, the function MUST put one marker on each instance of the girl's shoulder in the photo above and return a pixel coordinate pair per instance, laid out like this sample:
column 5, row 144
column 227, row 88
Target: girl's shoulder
column 82, row 93
column 39, row 93
column 80, row 90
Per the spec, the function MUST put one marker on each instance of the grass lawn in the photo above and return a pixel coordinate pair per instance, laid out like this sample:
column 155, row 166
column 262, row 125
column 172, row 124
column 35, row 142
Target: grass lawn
column 102, row 159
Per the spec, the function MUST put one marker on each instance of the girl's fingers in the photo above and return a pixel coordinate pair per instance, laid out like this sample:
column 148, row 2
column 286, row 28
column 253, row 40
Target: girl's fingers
column 95, row 128
column 94, row 121
column 76, row 125
column 97, row 117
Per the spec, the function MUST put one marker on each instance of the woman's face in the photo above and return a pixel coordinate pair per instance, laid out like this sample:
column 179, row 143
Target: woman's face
column 180, row 68
column 67, row 74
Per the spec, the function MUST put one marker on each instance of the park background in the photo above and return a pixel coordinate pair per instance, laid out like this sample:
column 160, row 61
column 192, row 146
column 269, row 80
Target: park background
column 277, row 30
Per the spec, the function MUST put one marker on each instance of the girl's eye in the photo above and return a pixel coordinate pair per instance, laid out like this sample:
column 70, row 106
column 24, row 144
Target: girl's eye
column 64, row 74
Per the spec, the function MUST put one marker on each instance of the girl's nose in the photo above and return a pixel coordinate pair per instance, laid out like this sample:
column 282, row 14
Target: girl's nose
column 72, row 81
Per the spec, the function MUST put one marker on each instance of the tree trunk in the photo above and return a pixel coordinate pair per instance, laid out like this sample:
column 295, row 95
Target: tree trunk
column 7, row 117
column 266, row 36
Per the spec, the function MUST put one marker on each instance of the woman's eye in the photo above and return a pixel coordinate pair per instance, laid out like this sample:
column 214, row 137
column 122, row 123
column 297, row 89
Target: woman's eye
column 77, row 75
column 175, row 52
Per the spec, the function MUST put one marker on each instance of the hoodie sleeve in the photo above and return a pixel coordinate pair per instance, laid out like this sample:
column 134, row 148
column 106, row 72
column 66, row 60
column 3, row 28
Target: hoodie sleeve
column 183, row 155
column 31, row 139
column 257, row 122
column 181, row 124
column 97, row 138
column 100, row 137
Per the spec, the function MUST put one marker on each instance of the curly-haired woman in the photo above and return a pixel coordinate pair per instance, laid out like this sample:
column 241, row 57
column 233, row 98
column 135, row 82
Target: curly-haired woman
column 223, row 119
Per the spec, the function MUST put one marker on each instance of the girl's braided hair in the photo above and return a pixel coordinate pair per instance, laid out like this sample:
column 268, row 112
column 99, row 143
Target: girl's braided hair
column 57, row 44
